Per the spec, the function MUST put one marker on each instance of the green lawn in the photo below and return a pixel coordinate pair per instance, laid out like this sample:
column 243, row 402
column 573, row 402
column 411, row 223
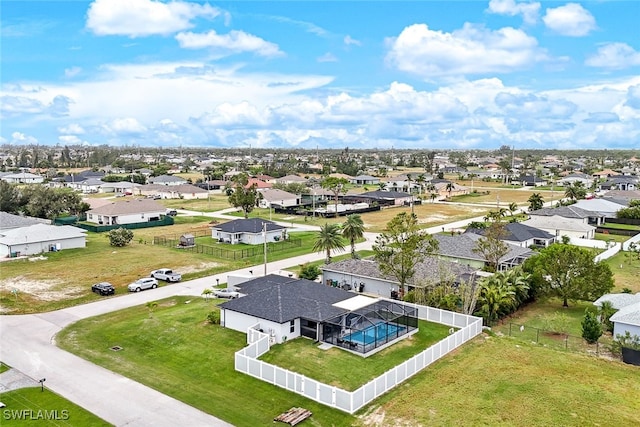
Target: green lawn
column 3, row 367
column 176, row 352
column 35, row 406
column 349, row 371
column 626, row 271
column 496, row 381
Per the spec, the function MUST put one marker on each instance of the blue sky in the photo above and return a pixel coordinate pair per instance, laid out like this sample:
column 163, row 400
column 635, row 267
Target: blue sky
column 363, row 74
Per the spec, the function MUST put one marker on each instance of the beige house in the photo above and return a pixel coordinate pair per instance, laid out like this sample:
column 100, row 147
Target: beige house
column 127, row 212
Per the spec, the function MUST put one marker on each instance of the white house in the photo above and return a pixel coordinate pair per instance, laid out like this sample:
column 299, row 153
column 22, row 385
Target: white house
column 560, row 226
column 627, row 318
column 127, row 212
column 250, row 231
column 167, row 180
column 179, row 191
column 274, row 197
column 288, row 308
column 9, row 221
column 22, row 178
column 39, row 238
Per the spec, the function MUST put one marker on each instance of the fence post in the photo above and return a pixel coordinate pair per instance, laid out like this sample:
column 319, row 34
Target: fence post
column 510, row 328
column 566, row 342
column 537, row 335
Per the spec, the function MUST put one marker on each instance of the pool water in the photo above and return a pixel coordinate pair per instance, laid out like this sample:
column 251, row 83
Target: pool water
column 374, row 333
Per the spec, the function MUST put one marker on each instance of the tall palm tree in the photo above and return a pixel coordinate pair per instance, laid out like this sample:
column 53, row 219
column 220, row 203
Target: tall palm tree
column 352, row 230
column 494, row 299
column 450, row 187
column 513, row 206
column 535, row 202
column 329, row 239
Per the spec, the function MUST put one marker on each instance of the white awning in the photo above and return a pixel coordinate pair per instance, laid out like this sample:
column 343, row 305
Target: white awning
column 355, row 303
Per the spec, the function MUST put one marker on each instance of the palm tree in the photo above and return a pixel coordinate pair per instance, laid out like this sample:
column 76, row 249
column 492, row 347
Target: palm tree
column 575, row 191
column 207, row 293
column 513, row 206
column 471, row 176
column 352, row 230
column 450, row 187
column 151, row 305
column 494, row 298
column 329, row 239
column 535, row 202
column 421, row 180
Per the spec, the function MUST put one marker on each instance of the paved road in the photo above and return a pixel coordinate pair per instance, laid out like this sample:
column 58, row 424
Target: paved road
column 28, row 344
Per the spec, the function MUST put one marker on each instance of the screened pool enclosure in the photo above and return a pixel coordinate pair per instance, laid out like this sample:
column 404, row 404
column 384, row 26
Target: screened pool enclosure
column 370, row 327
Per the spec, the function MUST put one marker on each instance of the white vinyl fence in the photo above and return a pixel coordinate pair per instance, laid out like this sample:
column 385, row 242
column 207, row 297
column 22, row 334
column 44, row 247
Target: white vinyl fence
column 350, row 401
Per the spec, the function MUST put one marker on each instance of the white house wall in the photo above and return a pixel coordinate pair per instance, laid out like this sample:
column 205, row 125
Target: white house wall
column 35, row 248
column 622, row 328
column 371, row 285
column 241, row 322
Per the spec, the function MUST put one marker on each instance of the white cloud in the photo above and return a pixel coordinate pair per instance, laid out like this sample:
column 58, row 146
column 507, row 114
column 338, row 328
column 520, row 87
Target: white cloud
column 235, row 116
column 140, row 18
column 70, row 140
column 21, row 138
column 528, row 10
column 348, row 40
column 471, row 50
column 614, row 56
column 72, row 72
column 234, row 42
column 128, row 126
column 570, row 20
column 327, row 57
column 72, row 128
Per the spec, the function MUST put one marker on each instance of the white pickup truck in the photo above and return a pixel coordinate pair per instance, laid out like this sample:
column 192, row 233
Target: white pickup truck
column 166, row 274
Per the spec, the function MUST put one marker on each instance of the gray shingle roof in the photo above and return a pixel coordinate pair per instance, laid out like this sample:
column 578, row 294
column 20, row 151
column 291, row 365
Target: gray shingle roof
column 281, row 299
column 629, row 315
column 518, row 232
column 40, row 233
column 251, row 225
column 462, row 245
column 429, row 267
column 8, row 220
column 385, row 194
column 618, row 300
column 564, row 211
column 166, row 178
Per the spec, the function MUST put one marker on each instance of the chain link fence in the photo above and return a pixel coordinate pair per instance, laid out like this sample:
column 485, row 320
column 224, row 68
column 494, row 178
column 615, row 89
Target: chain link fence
column 556, row 340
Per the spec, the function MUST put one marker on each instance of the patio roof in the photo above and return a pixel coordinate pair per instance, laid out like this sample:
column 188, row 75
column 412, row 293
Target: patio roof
column 355, row 303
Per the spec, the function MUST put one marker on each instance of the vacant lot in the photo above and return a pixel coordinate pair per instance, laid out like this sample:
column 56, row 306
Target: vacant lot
column 502, row 197
column 504, row 382
column 626, row 271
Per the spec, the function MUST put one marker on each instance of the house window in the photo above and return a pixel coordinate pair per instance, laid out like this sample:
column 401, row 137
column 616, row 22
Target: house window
column 292, row 326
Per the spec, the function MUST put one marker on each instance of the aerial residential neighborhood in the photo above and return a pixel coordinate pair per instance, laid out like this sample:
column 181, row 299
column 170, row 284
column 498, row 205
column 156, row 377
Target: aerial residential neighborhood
column 360, row 214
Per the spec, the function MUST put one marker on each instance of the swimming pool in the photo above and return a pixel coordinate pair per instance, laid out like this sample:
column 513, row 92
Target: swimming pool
column 374, row 333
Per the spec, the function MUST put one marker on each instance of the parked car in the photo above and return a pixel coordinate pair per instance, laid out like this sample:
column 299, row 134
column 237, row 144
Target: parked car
column 226, row 293
column 103, row 288
column 166, row 274
column 142, row 284
column 172, row 212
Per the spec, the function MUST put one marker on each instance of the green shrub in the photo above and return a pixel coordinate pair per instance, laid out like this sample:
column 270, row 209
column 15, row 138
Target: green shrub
column 120, row 237
column 591, row 327
column 309, row 272
column 214, row 317
column 627, row 340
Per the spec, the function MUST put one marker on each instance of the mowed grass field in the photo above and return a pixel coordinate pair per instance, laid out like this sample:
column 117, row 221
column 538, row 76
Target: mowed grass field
column 626, row 271
column 495, row 381
column 60, row 411
column 489, row 381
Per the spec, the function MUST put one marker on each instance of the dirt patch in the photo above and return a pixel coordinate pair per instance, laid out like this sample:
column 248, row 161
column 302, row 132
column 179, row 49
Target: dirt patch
column 197, row 267
column 45, row 290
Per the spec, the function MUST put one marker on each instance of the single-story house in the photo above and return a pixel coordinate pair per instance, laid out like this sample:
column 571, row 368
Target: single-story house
column 167, row 180
column 365, row 180
column 179, row 191
column 523, row 235
column 627, row 318
column 570, row 179
column 122, row 187
column 460, row 248
column 39, row 238
column 562, row 226
column 530, row 181
column 600, row 207
column 446, row 189
column 22, row 178
column 570, row 212
column 249, row 231
column 271, row 197
column 288, row 308
column 396, row 198
column 624, row 183
column 291, row 179
column 127, row 212
column 364, row 275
